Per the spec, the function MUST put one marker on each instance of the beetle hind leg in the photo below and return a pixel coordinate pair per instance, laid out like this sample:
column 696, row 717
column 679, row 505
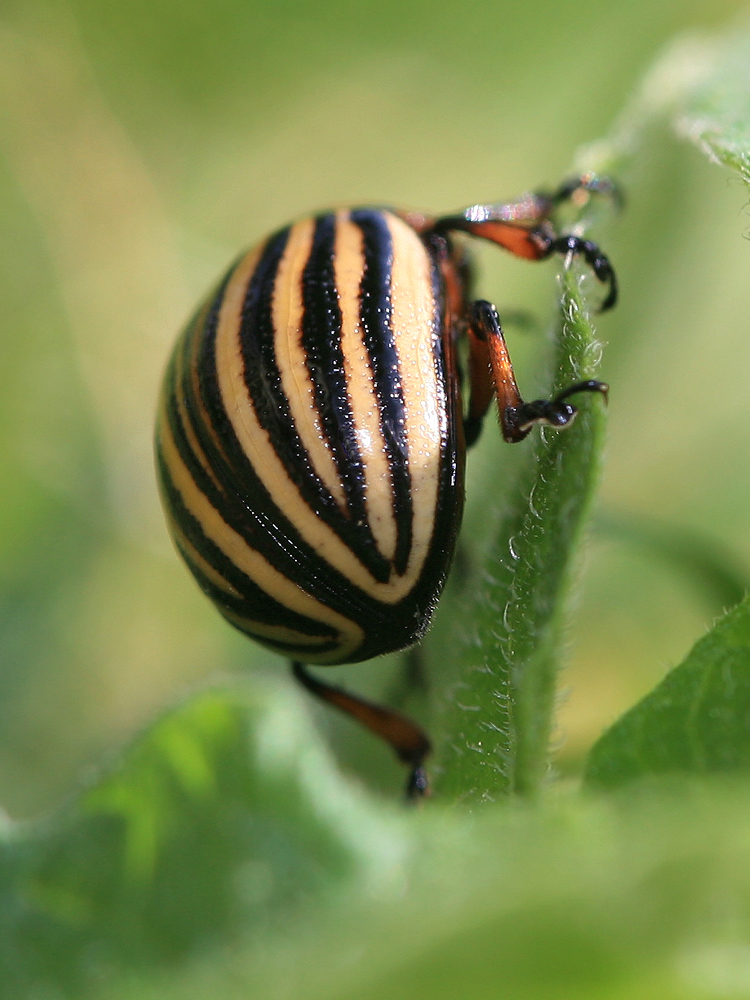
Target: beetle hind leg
column 409, row 742
column 491, row 371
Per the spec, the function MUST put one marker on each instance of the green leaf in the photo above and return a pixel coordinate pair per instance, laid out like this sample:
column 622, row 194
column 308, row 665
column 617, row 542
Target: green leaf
column 497, row 714
column 700, row 85
column 225, row 813
column 697, row 721
column 716, row 116
column 715, row 573
column 573, row 900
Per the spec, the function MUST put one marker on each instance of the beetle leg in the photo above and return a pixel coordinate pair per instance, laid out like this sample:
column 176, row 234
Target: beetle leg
column 481, row 383
column 409, row 742
column 541, row 242
column 578, row 189
column 597, row 261
column 537, row 243
column 535, row 206
column 516, row 416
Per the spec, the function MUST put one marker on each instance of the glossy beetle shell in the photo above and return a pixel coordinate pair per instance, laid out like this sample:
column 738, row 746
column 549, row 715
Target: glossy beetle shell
column 309, row 443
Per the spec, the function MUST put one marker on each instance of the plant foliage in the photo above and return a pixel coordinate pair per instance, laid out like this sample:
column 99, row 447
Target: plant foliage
column 222, row 854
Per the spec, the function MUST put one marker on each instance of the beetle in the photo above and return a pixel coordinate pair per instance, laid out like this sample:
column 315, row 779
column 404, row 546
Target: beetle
column 311, row 435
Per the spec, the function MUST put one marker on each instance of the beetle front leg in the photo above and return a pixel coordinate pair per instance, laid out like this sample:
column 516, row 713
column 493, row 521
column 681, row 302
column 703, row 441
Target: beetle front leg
column 525, row 230
column 537, row 206
column 517, row 417
column 579, row 189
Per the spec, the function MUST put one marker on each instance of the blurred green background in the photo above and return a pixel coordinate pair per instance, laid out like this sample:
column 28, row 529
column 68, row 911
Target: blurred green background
column 144, row 144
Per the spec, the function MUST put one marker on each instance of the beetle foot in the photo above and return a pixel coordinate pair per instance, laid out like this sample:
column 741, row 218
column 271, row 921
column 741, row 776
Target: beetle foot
column 578, row 189
column 597, row 261
column 418, row 785
column 554, row 412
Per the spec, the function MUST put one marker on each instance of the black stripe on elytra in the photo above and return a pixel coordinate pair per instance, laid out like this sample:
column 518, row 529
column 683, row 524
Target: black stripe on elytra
column 321, row 341
column 385, row 627
column 254, row 602
column 311, row 653
column 254, row 517
column 263, row 378
column 411, row 616
column 242, row 498
column 264, row 385
column 449, row 501
column 243, row 503
column 247, row 508
column 194, row 353
column 376, row 317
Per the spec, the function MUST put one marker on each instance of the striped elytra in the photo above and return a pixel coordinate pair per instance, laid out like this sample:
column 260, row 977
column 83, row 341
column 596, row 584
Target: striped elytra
column 311, row 434
column 308, row 445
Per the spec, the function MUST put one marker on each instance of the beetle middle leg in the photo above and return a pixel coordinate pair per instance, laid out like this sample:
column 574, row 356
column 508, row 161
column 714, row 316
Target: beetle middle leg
column 491, row 371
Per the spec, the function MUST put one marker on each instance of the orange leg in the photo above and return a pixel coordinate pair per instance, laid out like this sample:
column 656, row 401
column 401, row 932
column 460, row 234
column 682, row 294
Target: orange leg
column 524, row 228
column 536, row 206
column 409, row 742
column 490, row 370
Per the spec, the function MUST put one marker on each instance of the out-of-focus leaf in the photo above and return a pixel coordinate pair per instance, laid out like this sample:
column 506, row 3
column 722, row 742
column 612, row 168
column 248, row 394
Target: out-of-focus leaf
column 225, row 813
column 700, row 85
column 698, row 559
column 606, row 899
column 696, row 721
column 716, row 115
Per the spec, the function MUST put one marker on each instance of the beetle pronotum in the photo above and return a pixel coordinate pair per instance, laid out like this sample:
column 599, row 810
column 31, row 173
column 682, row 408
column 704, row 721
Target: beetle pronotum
column 311, row 435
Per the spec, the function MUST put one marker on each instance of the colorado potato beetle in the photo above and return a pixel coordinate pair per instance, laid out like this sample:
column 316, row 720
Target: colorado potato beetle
column 311, row 436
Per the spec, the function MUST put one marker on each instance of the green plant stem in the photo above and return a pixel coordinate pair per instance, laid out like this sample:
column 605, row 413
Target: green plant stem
column 499, row 713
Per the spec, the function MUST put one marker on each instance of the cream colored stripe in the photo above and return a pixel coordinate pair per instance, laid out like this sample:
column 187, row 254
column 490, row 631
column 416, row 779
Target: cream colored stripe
column 192, row 556
column 413, row 310
column 275, row 633
column 185, row 420
column 349, row 265
column 250, row 562
column 261, row 454
column 290, row 357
